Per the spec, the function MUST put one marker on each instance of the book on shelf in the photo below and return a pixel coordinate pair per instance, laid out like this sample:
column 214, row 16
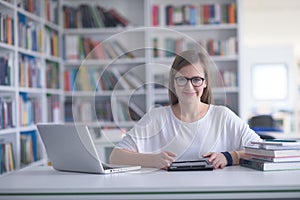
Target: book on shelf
column 52, row 75
column 72, row 50
column 30, row 147
column 7, row 160
column 76, row 80
column 129, row 110
column 120, row 18
column 53, row 108
column 68, row 111
column 6, row 66
column 80, row 110
column 134, row 109
column 7, row 112
column 155, row 15
column 122, row 82
column 88, row 16
column 87, row 48
column 32, row 6
column 51, row 41
column 30, row 34
column 50, row 9
column 30, row 74
column 269, row 166
column 103, row 110
column 191, row 14
column 29, row 109
column 100, row 80
column 214, row 47
column 6, row 29
column 133, row 80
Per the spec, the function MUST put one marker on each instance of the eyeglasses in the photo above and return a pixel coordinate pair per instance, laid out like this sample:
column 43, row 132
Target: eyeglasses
column 196, row 81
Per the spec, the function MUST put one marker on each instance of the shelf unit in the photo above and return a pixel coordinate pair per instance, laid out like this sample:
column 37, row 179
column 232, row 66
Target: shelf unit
column 30, row 39
column 106, row 99
column 139, row 36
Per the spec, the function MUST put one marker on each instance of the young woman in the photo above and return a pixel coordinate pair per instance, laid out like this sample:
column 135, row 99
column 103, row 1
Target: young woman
column 189, row 128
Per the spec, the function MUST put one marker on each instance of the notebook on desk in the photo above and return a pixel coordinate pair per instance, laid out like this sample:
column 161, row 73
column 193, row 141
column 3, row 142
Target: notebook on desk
column 191, row 165
column 71, row 148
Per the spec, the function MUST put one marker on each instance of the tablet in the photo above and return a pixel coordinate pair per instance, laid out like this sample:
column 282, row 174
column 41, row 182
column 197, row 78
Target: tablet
column 191, row 165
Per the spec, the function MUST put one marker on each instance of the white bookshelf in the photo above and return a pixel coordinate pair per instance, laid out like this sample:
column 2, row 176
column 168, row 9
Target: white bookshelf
column 137, row 37
column 33, row 88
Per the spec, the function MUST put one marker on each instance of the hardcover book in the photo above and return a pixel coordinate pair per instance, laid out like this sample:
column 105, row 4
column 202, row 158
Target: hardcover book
column 254, row 150
column 269, row 166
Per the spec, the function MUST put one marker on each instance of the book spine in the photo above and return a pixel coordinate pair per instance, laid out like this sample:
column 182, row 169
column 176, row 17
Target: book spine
column 155, row 15
column 251, row 164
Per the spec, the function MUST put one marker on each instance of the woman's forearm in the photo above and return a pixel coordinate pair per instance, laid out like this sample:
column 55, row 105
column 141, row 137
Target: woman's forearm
column 127, row 157
column 236, row 155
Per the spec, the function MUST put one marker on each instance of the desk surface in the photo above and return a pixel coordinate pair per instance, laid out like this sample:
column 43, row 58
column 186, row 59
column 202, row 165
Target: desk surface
column 229, row 183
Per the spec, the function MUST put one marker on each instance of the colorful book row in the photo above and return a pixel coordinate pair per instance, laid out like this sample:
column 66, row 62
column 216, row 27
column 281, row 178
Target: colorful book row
column 30, row 147
column 129, row 111
column 7, row 160
column 30, row 109
column 29, row 71
column 225, row 78
column 83, row 109
column 51, row 11
column 99, row 80
column 30, row 34
column 105, row 112
column 51, row 42
column 87, row 16
column 32, row 6
column 213, row 47
column 86, row 48
column 6, row 29
column 189, row 14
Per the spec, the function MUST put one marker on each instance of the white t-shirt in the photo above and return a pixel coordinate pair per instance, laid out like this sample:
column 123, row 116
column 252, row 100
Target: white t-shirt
column 160, row 130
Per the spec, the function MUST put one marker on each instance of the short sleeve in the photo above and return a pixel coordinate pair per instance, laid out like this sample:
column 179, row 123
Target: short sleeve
column 127, row 143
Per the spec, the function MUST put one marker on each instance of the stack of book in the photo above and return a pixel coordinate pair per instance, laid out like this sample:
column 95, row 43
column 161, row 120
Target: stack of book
column 269, row 155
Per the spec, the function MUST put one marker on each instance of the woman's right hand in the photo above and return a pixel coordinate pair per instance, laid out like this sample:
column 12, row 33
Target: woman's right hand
column 162, row 160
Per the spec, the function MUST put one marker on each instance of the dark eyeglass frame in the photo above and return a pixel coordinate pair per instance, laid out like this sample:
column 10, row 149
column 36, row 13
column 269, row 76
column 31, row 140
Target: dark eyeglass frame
column 189, row 79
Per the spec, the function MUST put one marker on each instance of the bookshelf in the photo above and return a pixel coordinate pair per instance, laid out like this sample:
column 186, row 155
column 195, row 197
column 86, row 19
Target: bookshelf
column 100, row 53
column 30, row 87
column 122, row 68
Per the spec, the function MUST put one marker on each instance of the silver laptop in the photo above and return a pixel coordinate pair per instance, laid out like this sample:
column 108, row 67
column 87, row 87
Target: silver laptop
column 70, row 148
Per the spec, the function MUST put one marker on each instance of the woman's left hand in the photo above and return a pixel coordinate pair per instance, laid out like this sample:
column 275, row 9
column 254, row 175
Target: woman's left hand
column 218, row 160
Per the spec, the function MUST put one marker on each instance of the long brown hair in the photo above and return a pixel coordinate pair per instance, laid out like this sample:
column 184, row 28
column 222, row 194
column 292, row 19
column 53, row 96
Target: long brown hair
column 185, row 58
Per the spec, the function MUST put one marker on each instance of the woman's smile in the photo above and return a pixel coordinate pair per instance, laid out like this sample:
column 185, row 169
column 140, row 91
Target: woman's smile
column 189, row 93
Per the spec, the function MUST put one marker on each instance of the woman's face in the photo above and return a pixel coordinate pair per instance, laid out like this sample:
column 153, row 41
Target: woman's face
column 190, row 90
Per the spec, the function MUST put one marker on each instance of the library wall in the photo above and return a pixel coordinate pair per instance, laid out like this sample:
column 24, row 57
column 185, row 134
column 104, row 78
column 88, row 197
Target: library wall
column 267, row 24
column 271, row 22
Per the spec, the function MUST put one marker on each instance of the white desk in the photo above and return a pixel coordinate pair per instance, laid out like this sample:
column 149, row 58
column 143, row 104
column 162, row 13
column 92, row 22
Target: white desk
column 230, row 183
